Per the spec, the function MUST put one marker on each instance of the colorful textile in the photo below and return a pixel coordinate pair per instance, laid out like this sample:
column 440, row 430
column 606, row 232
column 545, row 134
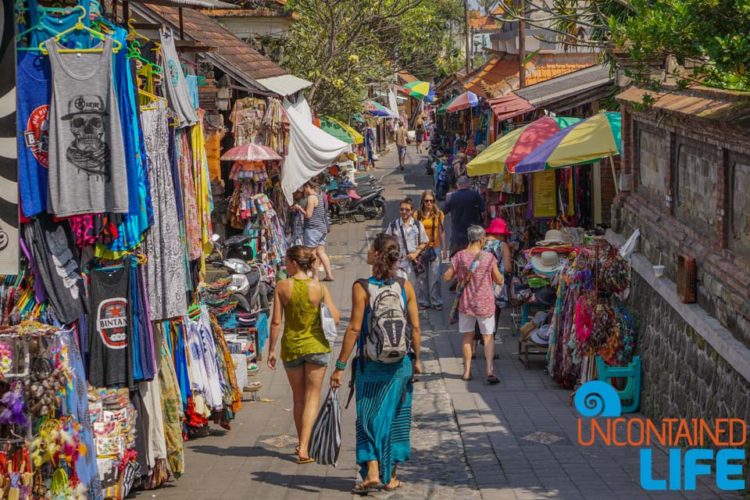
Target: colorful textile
column 172, row 411
column 384, row 395
column 478, row 298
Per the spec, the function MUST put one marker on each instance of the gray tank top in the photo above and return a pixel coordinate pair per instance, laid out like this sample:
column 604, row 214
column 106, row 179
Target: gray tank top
column 87, row 171
column 319, row 219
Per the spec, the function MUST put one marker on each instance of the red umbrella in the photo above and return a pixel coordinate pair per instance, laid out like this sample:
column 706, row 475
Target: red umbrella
column 251, row 152
column 464, row 101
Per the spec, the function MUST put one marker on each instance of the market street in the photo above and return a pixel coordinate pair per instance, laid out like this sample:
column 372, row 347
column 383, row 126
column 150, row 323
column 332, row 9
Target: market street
column 514, row 440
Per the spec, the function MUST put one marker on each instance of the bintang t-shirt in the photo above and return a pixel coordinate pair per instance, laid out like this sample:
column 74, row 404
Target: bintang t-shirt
column 110, row 329
column 87, row 168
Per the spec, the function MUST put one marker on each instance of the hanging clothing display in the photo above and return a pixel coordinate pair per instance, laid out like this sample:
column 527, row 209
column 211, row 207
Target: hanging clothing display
column 110, row 328
column 87, row 171
column 165, row 272
column 177, row 89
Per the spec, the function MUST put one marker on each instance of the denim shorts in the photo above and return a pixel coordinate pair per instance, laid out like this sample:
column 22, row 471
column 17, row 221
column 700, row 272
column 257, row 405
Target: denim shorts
column 314, row 359
column 312, row 238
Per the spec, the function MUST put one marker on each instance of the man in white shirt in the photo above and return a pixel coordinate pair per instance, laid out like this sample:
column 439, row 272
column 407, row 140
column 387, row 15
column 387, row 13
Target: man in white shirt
column 412, row 239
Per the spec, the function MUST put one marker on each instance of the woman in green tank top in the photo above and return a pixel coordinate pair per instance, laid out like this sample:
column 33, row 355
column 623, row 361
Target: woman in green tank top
column 304, row 348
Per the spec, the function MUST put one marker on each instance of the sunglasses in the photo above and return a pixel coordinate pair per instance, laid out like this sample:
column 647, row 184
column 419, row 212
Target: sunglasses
column 428, row 201
column 405, row 209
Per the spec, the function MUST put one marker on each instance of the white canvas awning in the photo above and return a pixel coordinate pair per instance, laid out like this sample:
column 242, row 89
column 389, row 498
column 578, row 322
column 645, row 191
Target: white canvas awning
column 284, row 85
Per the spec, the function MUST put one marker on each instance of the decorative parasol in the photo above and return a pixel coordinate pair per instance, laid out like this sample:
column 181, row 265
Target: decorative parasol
column 464, row 101
column 418, row 89
column 585, row 142
column 506, row 152
column 377, row 109
column 251, row 152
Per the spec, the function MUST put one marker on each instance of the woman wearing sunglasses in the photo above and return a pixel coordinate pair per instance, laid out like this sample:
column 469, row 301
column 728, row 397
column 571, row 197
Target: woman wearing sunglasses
column 428, row 282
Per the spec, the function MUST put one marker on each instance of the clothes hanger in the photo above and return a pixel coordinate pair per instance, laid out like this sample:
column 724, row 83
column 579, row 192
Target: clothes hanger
column 79, row 26
column 133, row 33
column 134, row 52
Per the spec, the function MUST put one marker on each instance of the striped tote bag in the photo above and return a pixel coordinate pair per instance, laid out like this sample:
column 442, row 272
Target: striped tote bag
column 325, row 441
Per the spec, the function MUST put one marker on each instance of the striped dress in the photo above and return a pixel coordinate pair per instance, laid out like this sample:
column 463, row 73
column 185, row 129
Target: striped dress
column 319, row 218
column 384, row 394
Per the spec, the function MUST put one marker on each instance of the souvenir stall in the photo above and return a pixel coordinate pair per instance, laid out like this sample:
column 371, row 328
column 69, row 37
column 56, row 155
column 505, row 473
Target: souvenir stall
column 116, row 205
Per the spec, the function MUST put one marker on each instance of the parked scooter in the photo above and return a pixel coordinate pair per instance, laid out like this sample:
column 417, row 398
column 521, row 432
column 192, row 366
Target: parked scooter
column 248, row 286
column 349, row 206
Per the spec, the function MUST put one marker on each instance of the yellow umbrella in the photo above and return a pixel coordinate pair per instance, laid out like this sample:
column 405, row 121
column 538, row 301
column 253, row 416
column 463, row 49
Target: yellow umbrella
column 358, row 139
column 492, row 159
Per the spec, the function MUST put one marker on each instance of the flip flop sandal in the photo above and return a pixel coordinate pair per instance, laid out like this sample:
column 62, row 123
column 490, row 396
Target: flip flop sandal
column 303, row 461
column 466, row 379
column 492, row 380
column 399, row 484
column 361, row 490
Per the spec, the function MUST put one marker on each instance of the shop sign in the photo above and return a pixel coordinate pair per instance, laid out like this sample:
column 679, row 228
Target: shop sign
column 8, row 156
column 544, row 185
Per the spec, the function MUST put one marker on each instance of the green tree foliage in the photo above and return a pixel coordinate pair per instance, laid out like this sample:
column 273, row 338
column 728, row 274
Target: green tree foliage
column 714, row 35
column 711, row 37
column 344, row 45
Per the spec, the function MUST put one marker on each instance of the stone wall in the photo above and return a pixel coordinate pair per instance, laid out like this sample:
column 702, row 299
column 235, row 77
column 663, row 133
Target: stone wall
column 683, row 376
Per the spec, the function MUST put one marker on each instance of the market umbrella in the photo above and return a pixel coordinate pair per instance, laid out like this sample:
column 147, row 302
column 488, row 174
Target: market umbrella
column 340, row 130
column 505, row 153
column 418, row 89
column 251, row 152
column 443, row 108
column 585, row 142
column 377, row 109
column 464, row 101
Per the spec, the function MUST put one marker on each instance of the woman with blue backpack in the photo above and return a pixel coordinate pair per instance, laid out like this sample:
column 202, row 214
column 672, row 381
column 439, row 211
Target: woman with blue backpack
column 384, row 327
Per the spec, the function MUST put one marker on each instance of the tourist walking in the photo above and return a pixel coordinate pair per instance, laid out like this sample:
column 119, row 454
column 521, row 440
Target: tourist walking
column 401, row 136
column 296, row 219
column 304, row 348
column 432, row 218
column 466, row 207
column 412, row 240
column 383, row 368
column 476, row 270
column 316, row 226
column 419, row 131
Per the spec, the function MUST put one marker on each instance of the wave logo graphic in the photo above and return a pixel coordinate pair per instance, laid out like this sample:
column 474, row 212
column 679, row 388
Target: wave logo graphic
column 597, row 399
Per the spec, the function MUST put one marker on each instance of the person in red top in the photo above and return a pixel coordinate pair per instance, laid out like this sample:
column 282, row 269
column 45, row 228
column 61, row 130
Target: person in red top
column 476, row 270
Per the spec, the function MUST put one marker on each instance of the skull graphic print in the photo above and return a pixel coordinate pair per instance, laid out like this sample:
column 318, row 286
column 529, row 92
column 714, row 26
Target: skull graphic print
column 88, row 151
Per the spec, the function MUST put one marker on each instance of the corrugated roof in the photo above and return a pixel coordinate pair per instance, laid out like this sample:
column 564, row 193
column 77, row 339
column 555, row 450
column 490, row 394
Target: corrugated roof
column 730, row 107
column 499, row 75
column 564, row 86
column 510, row 106
column 232, row 55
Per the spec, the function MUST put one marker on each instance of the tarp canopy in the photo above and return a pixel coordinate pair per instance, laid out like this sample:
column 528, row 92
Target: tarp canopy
column 311, row 149
column 340, row 130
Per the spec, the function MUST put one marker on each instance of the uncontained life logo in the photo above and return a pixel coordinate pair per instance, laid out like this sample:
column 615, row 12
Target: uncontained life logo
column 696, row 447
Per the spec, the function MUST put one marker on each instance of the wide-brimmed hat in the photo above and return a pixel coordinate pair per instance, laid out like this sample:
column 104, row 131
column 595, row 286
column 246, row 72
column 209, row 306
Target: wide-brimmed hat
column 546, row 263
column 552, row 237
column 498, row 227
column 541, row 335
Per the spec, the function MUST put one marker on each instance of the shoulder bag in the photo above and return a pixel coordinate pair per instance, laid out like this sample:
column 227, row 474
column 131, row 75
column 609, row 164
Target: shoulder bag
column 453, row 315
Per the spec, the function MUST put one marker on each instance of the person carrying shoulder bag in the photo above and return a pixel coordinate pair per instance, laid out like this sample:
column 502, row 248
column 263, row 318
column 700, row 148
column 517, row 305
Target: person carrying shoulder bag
column 428, row 282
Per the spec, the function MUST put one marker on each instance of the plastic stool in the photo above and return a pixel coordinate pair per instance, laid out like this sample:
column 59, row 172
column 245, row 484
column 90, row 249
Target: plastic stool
column 632, row 391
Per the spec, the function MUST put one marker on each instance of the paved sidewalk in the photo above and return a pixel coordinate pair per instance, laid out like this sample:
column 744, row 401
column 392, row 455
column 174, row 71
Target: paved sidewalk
column 517, row 440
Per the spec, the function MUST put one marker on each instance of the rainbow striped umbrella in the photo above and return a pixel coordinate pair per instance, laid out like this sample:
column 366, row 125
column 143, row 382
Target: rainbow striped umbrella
column 418, row 90
column 464, row 101
column 377, row 109
column 506, row 152
column 585, row 142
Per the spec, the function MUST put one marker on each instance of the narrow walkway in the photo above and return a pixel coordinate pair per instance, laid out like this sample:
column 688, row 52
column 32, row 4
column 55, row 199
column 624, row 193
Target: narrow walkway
column 517, row 440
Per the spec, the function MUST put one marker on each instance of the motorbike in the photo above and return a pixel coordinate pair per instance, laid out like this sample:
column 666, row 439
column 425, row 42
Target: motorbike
column 347, row 205
column 247, row 285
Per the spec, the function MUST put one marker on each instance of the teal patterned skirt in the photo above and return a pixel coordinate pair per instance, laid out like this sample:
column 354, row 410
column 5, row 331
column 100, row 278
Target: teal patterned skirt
column 384, row 393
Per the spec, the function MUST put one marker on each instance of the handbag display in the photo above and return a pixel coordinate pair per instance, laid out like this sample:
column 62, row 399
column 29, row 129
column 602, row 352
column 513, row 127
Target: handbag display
column 453, row 314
